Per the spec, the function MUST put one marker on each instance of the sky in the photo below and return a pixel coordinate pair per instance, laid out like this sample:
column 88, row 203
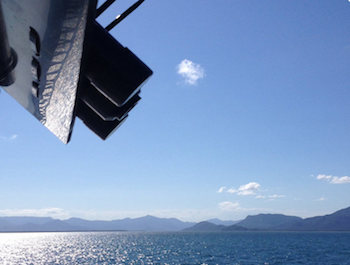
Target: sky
column 247, row 112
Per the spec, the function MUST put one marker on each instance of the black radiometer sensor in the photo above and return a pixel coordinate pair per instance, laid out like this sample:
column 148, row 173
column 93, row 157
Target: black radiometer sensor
column 59, row 63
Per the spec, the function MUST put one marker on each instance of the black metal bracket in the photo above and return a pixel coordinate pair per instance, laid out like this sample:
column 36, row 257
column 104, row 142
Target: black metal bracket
column 110, row 81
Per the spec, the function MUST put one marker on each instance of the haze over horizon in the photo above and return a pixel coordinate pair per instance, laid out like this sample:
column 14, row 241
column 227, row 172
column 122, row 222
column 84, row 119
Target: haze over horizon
column 247, row 112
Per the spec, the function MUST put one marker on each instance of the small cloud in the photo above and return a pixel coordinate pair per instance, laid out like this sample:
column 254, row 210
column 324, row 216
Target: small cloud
column 229, row 206
column 221, row 189
column 321, row 199
column 190, row 71
column 251, row 188
column 231, row 190
column 334, row 179
column 276, row 196
column 260, row 197
column 248, row 189
column 13, row 137
column 9, row 138
column 325, row 177
column 270, row 197
column 340, row 180
column 45, row 212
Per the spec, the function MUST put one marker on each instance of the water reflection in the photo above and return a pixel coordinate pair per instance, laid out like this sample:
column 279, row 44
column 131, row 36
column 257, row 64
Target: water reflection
column 174, row 248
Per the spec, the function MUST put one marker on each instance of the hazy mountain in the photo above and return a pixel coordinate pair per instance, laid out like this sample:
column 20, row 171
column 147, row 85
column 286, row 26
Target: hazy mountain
column 338, row 221
column 210, row 227
column 151, row 223
column 146, row 223
column 232, row 228
column 268, row 221
column 21, row 220
column 51, row 226
column 33, row 224
column 217, row 221
column 205, row 227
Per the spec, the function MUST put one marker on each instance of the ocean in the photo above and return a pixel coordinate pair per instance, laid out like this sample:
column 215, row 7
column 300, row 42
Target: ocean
column 175, row 248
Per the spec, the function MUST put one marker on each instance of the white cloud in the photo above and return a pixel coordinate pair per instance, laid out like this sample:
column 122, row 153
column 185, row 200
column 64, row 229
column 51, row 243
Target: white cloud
column 260, row 196
column 221, row 189
column 340, row 180
column 45, row 212
column 251, row 188
column 13, row 137
column 231, row 191
column 9, row 138
column 276, row 196
column 190, row 71
column 270, row 197
column 248, row 189
column 321, row 199
column 326, row 177
column 235, row 207
column 229, row 206
column 334, row 179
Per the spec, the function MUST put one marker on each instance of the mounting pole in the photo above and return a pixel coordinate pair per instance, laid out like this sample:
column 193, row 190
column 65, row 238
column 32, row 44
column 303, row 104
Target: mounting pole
column 103, row 7
column 121, row 17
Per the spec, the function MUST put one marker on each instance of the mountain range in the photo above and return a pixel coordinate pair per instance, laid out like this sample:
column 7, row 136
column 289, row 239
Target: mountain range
column 48, row 224
column 338, row 221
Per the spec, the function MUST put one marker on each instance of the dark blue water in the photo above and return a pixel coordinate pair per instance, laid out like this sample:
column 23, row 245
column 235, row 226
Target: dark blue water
column 175, row 248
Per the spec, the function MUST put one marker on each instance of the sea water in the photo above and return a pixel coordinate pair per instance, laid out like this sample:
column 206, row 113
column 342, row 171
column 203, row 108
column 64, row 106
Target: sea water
column 175, row 248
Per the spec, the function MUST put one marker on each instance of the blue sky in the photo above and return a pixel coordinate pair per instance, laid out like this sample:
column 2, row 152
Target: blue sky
column 247, row 112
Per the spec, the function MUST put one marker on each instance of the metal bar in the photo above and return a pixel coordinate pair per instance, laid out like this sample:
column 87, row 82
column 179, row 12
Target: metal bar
column 103, row 7
column 121, row 17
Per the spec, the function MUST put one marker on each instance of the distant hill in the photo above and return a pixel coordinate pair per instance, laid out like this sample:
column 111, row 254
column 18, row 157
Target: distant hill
column 205, row 227
column 268, row 221
column 338, row 221
column 210, row 227
column 146, row 223
column 21, row 220
column 217, row 221
column 33, row 224
column 232, row 228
